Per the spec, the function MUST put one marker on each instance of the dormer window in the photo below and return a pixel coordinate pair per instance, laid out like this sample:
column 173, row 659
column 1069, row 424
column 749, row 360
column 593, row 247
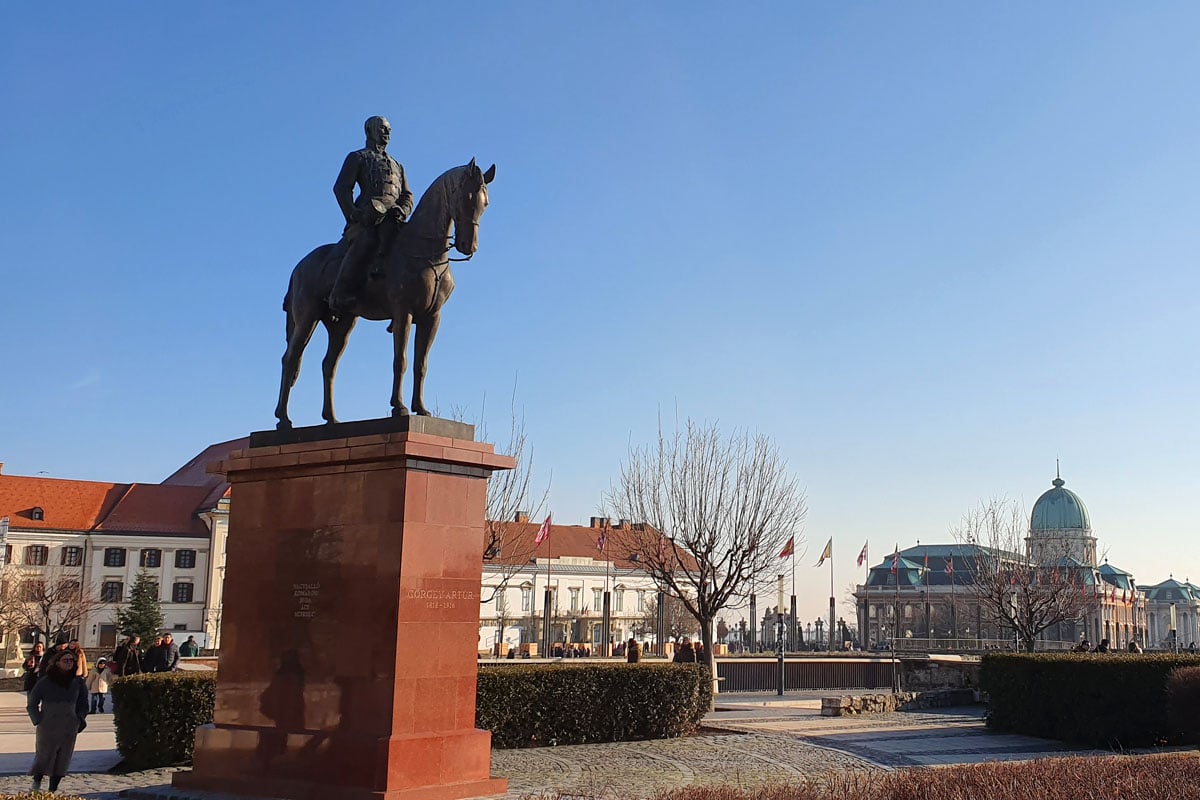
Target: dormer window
column 37, row 513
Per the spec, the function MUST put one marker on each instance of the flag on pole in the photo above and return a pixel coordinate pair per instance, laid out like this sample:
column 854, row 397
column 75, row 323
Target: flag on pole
column 925, row 569
column 896, row 559
column 543, row 532
column 827, row 552
column 862, row 556
column 950, row 566
column 789, row 548
column 602, row 539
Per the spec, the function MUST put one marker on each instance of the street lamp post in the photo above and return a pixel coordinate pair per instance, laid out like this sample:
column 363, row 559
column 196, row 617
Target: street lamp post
column 779, row 642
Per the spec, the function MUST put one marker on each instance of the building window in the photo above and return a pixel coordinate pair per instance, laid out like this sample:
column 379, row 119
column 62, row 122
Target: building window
column 114, row 556
column 598, row 599
column 185, row 559
column 154, row 591
column 36, row 554
column 501, row 601
column 112, row 591
column 70, row 590
column 618, row 600
column 574, row 591
column 8, row 554
column 33, row 590
column 150, row 557
column 37, row 513
column 72, row 556
column 182, row 593
column 526, row 598
column 641, row 602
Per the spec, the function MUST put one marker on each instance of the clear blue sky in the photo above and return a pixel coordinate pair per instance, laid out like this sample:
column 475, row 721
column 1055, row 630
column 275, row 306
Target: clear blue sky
column 927, row 247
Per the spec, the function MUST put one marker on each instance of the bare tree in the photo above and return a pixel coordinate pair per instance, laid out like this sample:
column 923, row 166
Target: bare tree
column 715, row 513
column 509, row 501
column 677, row 620
column 50, row 601
column 1014, row 591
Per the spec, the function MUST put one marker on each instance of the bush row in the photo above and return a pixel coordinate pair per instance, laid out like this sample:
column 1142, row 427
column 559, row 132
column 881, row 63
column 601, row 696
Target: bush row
column 1105, row 700
column 1141, row 777
column 538, row 705
column 156, row 716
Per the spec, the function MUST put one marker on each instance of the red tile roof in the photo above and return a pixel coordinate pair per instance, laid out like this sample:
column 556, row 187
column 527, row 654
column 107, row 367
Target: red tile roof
column 195, row 472
column 67, row 505
column 155, row 508
column 577, row 541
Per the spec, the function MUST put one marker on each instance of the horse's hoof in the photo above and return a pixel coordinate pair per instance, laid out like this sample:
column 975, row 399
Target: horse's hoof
column 283, row 425
column 400, row 412
column 331, row 421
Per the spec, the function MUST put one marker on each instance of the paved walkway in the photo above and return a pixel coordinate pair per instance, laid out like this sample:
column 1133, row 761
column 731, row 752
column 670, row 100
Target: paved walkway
column 749, row 740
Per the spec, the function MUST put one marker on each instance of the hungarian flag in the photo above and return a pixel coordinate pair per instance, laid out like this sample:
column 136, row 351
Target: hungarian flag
column 602, row 539
column 862, row 556
column 949, row 566
column 925, row 569
column 543, row 532
column 789, row 548
column 896, row 560
column 827, row 552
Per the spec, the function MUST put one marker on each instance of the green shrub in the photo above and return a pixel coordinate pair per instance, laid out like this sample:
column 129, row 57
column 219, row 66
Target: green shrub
column 156, row 716
column 537, row 705
column 1106, row 700
column 1183, row 702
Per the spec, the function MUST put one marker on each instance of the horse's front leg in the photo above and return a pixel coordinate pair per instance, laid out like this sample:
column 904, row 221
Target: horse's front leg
column 338, row 333
column 299, row 333
column 426, row 331
column 400, row 326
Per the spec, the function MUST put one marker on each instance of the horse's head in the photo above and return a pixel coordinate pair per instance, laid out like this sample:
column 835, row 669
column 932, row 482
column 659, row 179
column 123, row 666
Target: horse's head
column 471, row 200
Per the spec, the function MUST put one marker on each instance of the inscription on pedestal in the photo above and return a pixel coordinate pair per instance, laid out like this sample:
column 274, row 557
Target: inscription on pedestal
column 306, row 595
column 437, row 599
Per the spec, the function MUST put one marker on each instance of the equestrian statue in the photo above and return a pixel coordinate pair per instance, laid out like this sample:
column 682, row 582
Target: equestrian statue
column 387, row 266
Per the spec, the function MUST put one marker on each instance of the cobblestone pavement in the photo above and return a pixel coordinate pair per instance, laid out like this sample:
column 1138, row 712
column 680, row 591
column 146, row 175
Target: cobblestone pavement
column 745, row 744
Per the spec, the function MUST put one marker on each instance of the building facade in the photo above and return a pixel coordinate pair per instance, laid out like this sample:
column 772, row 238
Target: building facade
column 928, row 598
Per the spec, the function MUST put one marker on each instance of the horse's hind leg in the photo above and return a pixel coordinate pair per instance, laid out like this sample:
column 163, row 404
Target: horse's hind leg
column 427, row 329
column 299, row 332
column 338, row 332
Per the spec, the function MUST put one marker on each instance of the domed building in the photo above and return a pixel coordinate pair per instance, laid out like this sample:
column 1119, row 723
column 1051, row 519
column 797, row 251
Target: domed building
column 1059, row 527
column 925, row 596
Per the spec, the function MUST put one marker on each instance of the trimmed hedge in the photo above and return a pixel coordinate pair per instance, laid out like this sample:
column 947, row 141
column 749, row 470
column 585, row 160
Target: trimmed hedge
column 1102, row 699
column 539, row 705
column 1183, row 702
column 156, row 716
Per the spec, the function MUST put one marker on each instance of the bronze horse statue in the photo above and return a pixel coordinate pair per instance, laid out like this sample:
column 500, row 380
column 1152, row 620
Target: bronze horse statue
column 410, row 284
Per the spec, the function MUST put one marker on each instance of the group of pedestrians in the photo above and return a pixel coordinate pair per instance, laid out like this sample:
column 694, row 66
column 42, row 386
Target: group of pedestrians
column 63, row 690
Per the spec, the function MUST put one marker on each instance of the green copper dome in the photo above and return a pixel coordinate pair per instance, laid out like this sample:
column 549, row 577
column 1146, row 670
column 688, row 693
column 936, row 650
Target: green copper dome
column 1059, row 509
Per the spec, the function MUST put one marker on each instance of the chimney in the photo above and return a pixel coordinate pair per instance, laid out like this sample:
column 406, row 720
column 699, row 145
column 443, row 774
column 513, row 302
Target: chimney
column 599, row 522
column 1, row 467
column 521, row 516
column 623, row 523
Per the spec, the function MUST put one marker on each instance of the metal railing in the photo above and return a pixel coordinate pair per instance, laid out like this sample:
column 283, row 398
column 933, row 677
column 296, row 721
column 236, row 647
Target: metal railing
column 762, row 674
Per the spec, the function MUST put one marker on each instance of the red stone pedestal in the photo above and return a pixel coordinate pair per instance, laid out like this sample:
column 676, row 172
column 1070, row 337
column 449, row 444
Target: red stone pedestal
column 350, row 623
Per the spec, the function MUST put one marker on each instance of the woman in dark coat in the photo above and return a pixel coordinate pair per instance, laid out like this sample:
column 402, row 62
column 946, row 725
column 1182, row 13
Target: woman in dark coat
column 686, row 654
column 632, row 651
column 58, row 707
column 31, row 673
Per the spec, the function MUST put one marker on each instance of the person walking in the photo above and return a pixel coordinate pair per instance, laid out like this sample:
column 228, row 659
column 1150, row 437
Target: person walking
column 39, row 653
column 632, row 652
column 169, row 659
column 81, row 662
column 31, row 673
column 686, row 654
column 155, row 658
column 97, row 684
column 58, row 708
column 189, row 649
column 127, row 660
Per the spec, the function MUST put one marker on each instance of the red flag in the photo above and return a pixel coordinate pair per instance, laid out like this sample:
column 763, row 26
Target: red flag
column 896, row 559
column 926, row 567
column 543, row 532
column 789, row 548
column 602, row 539
column 950, row 566
column 862, row 556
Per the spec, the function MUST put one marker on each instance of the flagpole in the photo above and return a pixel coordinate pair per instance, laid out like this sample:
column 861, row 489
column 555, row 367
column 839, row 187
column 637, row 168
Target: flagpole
column 831, row 596
column 866, row 639
column 795, row 622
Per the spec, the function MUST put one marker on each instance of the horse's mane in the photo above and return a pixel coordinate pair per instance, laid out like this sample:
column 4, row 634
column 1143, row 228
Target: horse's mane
column 436, row 198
